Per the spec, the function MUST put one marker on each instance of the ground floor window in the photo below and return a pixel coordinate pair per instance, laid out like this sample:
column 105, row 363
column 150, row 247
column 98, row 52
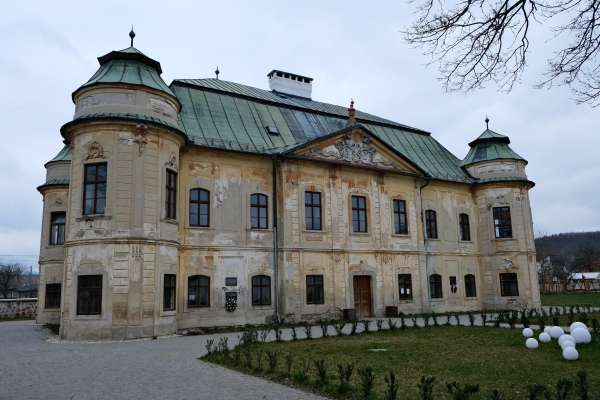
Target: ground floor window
column 509, row 284
column 52, row 295
column 89, row 294
column 314, row 289
column 470, row 286
column 198, row 291
column 169, row 287
column 435, row 286
column 405, row 286
column 261, row 290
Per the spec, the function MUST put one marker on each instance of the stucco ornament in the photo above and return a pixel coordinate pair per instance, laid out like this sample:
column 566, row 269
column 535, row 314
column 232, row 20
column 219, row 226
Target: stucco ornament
column 95, row 151
column 355, row 152
column 141, row 133
column 172, row 163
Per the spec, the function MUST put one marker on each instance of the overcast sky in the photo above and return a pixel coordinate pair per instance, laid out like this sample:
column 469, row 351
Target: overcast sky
column 351, row 49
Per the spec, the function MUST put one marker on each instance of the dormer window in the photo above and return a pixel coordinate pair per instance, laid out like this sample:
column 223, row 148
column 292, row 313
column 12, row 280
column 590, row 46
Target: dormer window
column 272, row 130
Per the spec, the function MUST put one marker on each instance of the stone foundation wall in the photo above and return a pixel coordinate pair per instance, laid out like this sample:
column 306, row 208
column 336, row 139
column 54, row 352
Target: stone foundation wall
column 18, row 308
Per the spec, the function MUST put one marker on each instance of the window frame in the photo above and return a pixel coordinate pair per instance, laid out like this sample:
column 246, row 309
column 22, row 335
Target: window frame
column 169, row 292
column 203, row 283
column 315, row 290
column 95, row 210
column 261, row 283
column 436, row 290
column 464, row 227
column 360, row 211
column 397, row 214
column 309, row 211
column 501, row 216
column 431, row 225
column 470, row 291
column 90, row 308
column 57, row 239
column 171, row 178
column 408, row 295
column 255, row 204
column 504, row 283
column 55, row 305
column 199, row 203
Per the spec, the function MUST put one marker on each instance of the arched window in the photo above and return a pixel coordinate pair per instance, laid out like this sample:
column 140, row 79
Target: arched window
column 199, row 207
column 465, row 228
column 261, row 290
column 198, row 291
column 431, row 224
column 470, row 286
column 259, row 211
column 435, row 286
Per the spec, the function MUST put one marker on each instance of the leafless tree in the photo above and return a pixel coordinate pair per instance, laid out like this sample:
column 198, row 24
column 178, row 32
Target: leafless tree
column 478, row 41
column 10, row 275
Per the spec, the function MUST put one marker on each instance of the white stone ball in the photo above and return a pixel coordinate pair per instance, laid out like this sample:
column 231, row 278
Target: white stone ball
column 528, row 332
column 547, row 329
column 570, row 354
column 531, row 343
column 544, row 337
column 576, row 325
column 567, row 343
column 581, row 335
column 564, row 338
column 556, row 332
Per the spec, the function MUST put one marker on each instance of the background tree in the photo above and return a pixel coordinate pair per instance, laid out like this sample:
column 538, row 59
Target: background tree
column 10, row 276
column 478, row 41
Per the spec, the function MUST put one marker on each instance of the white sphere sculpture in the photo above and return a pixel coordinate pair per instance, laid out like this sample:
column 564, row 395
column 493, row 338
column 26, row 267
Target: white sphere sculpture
column 531, row 343
column 528, row 332
column 556, row 332
column 570, row 354
column 544, row 337
column 581, row 335
column 576, row 325
column 567, row 343
column 564, row 338
column 547, row 329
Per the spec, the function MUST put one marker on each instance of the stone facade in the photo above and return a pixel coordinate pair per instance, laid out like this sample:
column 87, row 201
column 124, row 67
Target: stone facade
column 133, row 243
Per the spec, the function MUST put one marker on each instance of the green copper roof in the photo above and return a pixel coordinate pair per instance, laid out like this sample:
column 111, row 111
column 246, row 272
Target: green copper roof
column 63, row 155
column 230, row 116
column 490, row 146
column 128, row 66
column 124, row 117
column 54, row 182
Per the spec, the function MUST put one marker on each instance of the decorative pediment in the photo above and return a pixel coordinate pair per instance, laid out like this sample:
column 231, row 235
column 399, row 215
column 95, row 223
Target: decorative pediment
column 357, row 147
column 95, row 151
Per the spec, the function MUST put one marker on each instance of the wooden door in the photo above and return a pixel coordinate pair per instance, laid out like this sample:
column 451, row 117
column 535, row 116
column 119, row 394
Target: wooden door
column 362, row 296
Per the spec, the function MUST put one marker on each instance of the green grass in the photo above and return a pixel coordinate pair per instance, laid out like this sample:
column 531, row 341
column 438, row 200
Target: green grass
column 491, row 357
column 571, row 299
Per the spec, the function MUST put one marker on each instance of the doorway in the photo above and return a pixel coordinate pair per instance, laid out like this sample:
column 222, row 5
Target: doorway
column 362, row 296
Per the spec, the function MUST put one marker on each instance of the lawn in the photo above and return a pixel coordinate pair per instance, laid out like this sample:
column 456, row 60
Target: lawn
column 493, row 358
column 571, row 299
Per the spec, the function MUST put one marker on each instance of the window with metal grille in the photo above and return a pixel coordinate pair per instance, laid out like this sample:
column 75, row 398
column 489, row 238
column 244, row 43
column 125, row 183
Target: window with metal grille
column 198, row 291
column 509, row 284
column 261, row 290
column 502, row 223
column 435, row 286
column 314, row 289
column 312, row 211
column 199, row 207
column 470, row 286
column 400, row 221
column 57, row 228
column 431, row 224
column 89, row 294
column 465, row 228
column 171, row 195
column 169, row 292
column 52, row 295
column 94, row 189
column 359, row 214
column 405, row 287
column 259, row 211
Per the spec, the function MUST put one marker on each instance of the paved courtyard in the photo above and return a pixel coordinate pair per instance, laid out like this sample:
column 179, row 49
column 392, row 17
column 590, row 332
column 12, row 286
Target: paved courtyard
column 32, row 367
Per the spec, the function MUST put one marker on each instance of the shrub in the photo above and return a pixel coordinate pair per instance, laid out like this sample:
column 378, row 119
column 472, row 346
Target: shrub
column 414, row 320
column 294, row 334
column 555, row 321
column 248, row 359
column 344, row 375
column 273, row 359
column 264, row 334
column 484, row 318
column 392, row 324
column 339, row 329
column 563, row 387
column 582, row 386
column 471, row 319
column 402, row 321
column 379, row 323
column 366, row 381
column 321, row 368
column 353, row 327
column 391, row 387
column 595, row 326
column 448, row 316
column 209, row 346
column 461, row 392
column 259, row 357
column 434, row 318
column 496, row 395
column 248, row 337
column 456, row 319
column 583, row 317
column 289, row 362
column 223, row 346
column 425, row 321
column 278, row 334
column 308, row 331
column 535, row 390
column 324, row 328
column 301, row 375
column 426, row 388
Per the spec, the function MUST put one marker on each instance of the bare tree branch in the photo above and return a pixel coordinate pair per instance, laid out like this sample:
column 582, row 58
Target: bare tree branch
column 10, row 275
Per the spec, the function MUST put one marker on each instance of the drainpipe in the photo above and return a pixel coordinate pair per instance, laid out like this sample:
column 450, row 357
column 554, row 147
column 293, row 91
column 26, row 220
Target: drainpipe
column 275, row 238
column 423, row 294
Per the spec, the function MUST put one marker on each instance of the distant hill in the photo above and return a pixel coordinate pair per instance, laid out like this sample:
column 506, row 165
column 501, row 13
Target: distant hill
column 576, row 250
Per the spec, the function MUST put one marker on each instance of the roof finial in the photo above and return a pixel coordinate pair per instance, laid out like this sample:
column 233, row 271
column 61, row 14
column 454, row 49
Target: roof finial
column 351, row 113
column 217, row 72
column 131, row 35
column 487, row 122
